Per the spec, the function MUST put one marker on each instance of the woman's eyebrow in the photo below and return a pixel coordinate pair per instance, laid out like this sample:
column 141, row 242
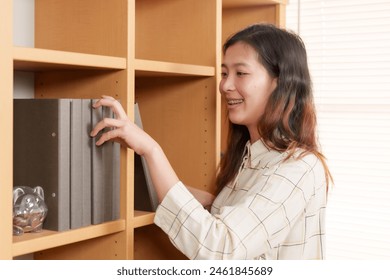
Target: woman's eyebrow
column 235, row 64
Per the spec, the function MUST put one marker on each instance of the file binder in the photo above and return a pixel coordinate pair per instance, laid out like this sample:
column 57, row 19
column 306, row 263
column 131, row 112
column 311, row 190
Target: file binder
column 81, row 160
column 105, row 174
column 41, row 154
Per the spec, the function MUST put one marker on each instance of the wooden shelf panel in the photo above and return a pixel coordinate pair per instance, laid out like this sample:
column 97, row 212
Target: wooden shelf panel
column 243, row 3
column 159, row 68
column 143, row 218
column 34, row 59
column 33, row 242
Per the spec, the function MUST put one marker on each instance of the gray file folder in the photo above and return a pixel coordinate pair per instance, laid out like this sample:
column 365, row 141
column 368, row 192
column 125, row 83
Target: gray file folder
column 80, row 168
column 105, row 174
column 41, row 154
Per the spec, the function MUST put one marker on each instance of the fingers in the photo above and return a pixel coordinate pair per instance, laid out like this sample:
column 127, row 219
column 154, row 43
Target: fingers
column 119, row 123
column 107, row 136
column 106, row 123
column 111, row 102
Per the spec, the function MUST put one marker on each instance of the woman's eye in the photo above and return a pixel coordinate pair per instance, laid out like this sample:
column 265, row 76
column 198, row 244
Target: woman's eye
column 223, row 74
column 241, row 73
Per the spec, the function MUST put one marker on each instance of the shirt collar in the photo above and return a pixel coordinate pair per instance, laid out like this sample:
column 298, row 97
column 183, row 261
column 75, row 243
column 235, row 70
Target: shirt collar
column 255, row 151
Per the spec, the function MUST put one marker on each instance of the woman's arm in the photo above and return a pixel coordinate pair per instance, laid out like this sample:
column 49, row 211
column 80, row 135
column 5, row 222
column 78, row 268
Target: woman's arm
column 205, row 198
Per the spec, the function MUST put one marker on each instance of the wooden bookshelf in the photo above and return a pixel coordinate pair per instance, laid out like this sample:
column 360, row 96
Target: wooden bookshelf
column 34, row 59
column 30, row 243
column 165, row 55
column 143, row 218
column 159, row 68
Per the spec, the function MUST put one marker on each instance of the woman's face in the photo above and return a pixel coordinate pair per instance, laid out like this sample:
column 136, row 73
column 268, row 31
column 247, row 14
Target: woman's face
column 246, row 86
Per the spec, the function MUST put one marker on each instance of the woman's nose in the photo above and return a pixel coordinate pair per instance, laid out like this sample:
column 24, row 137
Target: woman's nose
column 226, row 84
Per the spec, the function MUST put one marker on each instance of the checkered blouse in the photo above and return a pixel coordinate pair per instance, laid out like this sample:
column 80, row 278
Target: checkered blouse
column 274, row 209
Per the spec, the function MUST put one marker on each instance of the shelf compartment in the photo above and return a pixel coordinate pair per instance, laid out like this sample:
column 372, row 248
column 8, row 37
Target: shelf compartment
column 89, row 26
column 176, row 31
column 152, row 239
column 143, row 218
column 159, row 68
column 34, row 59
column 34, row 242
column 167, row 106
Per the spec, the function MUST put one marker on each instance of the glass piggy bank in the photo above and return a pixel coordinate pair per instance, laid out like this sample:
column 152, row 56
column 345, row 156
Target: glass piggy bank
column 29, row 209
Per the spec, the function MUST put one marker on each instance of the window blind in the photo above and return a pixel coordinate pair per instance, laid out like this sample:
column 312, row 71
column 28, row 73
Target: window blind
column 348, row 46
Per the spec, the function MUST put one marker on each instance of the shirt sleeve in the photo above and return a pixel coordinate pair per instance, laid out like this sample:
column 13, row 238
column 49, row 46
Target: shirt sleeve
column 245, row 230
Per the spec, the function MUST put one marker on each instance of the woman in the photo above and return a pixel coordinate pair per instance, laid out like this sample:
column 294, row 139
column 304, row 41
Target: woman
column 272, row 180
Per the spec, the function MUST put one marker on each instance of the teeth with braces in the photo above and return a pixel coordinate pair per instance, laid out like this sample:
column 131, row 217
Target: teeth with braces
column 235, row 101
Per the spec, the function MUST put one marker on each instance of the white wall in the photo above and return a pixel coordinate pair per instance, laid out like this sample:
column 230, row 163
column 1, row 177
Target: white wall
column 23, row 32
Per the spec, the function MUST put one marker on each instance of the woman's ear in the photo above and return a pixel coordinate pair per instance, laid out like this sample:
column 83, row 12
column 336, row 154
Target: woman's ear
column 274, row 84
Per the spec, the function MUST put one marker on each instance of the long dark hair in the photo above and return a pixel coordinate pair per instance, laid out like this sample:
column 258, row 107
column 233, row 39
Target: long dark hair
column 289, row 121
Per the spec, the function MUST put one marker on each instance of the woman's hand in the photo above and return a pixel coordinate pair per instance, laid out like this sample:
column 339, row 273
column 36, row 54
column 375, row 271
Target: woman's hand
column 123, row 129
column 130, row 135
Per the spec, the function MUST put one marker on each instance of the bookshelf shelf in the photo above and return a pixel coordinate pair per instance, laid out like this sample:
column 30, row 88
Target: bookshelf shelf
column 243, row 3
column 34, row 59
column 33, row 242
column 159, row 68
column 143, row 218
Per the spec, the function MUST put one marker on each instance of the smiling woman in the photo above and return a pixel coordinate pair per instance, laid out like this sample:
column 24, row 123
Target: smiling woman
column 246, row 86
column 272, row 181
column 285, row 94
